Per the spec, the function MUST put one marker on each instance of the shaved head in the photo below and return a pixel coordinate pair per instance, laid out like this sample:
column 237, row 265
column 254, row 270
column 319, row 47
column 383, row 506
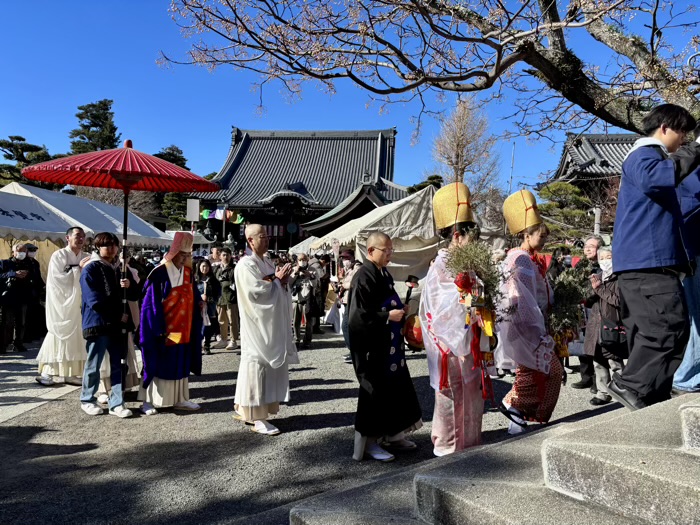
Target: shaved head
column 252, row 229
column 257, row 239
column 377, row 240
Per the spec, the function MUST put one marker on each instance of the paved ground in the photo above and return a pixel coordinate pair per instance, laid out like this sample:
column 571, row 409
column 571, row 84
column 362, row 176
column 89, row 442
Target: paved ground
column 59, row 465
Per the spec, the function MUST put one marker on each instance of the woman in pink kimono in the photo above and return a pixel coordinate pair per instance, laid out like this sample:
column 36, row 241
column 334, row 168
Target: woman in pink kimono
column 459, row 405
column 527, row 296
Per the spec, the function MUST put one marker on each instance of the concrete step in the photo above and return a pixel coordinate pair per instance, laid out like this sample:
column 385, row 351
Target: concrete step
column 474, row 502
column 634, row 464
column 391, row 498
column 383, row 500
column 690, row 426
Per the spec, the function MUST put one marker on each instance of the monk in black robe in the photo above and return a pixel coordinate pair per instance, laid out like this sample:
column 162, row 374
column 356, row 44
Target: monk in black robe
column 387, row 406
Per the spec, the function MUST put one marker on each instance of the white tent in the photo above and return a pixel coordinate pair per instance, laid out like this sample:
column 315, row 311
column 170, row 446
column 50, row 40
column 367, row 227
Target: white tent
column 409, row 223
column 23, row 217
column 304, row 246
column 198, row 237
column 92, row 216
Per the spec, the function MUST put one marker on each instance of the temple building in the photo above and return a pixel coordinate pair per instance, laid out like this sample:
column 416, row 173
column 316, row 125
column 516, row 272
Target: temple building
column 301, row 183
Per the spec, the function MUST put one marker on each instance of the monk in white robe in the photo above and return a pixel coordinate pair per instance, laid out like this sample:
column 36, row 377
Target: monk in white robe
column 63, row 353
column 267, row 340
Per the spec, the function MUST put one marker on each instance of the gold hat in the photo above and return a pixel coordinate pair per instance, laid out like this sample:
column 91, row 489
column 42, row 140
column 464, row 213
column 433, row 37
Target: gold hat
column 520, row 211
column 452, row 205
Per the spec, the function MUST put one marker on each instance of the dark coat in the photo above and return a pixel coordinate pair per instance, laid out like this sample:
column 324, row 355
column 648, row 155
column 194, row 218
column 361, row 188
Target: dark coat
column 387, row 402
column 102, row 306
column 604, row 302
column 227, row 280
column 649, row 227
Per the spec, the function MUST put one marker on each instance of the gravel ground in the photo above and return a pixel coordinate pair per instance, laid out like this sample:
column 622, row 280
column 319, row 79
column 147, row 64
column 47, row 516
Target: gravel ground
column 60, row 465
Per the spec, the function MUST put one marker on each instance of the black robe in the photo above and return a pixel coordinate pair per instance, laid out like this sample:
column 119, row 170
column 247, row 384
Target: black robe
column 387, row 402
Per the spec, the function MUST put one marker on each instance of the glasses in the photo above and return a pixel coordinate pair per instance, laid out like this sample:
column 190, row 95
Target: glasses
column 387, row 251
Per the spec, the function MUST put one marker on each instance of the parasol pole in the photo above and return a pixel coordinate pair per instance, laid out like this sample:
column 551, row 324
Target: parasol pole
column 125, row 304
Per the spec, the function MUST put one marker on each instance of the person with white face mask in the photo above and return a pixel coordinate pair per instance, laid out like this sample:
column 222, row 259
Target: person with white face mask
column 605, row 314
column 15, row 293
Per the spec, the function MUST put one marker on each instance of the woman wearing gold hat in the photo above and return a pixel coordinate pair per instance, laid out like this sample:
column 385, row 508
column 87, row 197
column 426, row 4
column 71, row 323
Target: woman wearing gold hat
column 459, row 405
column 527, row 297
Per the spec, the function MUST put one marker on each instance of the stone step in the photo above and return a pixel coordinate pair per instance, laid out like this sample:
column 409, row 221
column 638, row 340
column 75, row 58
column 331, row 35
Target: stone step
column 391, row 498
column 634, row 464
column 690, row 426
column 475, row 502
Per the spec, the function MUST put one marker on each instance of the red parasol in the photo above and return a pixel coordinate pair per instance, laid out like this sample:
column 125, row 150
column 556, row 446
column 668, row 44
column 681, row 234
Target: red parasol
column 125, row 169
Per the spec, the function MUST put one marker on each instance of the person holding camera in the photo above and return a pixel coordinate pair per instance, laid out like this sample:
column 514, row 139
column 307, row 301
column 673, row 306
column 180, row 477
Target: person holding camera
column 304, row 285
column 17, row 290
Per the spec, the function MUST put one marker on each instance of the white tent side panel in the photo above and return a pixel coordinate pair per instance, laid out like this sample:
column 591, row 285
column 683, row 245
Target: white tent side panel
column 27, row 218
column 304, row 246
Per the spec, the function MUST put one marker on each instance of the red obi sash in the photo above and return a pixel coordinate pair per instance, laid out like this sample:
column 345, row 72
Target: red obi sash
column 178, row 308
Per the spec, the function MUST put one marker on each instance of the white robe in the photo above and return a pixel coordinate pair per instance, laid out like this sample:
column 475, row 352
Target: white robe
column 267, row 339
column 63, row 352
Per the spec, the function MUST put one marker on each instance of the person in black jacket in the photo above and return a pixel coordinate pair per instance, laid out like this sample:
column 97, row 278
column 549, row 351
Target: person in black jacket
column 210, row 288
column 227, row 307
column 16, row 293
column 36, row 314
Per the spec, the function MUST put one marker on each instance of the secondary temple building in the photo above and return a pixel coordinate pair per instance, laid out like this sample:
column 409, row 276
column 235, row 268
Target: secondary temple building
column 301, row 183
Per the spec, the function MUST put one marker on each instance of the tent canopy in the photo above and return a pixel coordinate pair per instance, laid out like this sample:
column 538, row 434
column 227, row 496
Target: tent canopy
column 304, row 246
column 23, row 217
column 92, row 216
column 409, row 223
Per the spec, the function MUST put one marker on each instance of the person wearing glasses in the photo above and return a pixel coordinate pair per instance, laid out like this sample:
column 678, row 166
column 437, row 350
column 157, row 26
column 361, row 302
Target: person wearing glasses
column 387, row 405
column 267, row 340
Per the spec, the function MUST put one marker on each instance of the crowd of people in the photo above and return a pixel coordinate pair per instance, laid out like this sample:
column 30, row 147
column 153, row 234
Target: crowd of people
column 116, row 322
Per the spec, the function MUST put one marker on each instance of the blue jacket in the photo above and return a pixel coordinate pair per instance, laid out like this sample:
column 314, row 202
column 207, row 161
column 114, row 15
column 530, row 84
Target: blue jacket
column 689, row 195
column 102, row 306
column 649, row 228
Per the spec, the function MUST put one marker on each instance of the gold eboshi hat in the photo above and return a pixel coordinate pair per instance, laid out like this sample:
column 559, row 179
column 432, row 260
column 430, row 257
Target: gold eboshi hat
column 452, row 205
column 520, row 211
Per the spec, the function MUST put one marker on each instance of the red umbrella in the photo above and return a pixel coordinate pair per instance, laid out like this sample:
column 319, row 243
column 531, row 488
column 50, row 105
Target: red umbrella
column 125, row 169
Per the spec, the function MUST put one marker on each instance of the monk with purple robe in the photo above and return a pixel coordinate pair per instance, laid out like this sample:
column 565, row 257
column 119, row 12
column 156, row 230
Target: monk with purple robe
column 171, row 330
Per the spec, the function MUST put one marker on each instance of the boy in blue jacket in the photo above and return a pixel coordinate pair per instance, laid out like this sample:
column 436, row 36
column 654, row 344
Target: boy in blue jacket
column 650, row 256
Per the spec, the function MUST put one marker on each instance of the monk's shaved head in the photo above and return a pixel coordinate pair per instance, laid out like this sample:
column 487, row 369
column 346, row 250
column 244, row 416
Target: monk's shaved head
column 252, row 229
column 377, row 240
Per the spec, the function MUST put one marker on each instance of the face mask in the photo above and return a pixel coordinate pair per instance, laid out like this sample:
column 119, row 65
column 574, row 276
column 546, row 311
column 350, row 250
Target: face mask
column 31, row 255
column 303, row 264
column 20, row 256
column 347, row 264
column 606, row 267
column 156, row 259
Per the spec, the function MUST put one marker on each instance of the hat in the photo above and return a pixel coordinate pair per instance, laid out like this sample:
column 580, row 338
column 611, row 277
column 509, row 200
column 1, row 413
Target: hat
column 520, row 211
column 182, row 242
column 452, row 205
column 31, row 247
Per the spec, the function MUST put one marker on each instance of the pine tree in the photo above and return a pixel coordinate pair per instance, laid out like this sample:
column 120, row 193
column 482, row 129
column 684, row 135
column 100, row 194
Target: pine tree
column 174, row 205
column 567, row 208
column 96, row 130
column 16, row 149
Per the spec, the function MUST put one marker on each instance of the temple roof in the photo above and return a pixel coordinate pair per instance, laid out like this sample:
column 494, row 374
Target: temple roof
column 593, row 156
column 320, row 168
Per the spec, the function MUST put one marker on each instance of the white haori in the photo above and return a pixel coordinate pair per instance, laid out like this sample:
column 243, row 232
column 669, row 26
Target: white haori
column 132, row 379
column 165, row 392
column 267, row 340
column 63, row 351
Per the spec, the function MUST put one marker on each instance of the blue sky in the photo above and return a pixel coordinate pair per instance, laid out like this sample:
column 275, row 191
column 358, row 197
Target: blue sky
column 59, row 55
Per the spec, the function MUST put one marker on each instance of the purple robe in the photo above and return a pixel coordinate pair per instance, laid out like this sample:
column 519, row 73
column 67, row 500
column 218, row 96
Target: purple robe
column 171, row 362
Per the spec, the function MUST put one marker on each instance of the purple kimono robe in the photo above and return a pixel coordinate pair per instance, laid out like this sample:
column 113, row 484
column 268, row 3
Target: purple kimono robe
column 171, row 362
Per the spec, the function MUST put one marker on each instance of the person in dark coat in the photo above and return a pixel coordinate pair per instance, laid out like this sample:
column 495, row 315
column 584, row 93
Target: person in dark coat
column 604, row 303
column 210, row 288
column 36, row 314
column 387, row 406
column 17, row 291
